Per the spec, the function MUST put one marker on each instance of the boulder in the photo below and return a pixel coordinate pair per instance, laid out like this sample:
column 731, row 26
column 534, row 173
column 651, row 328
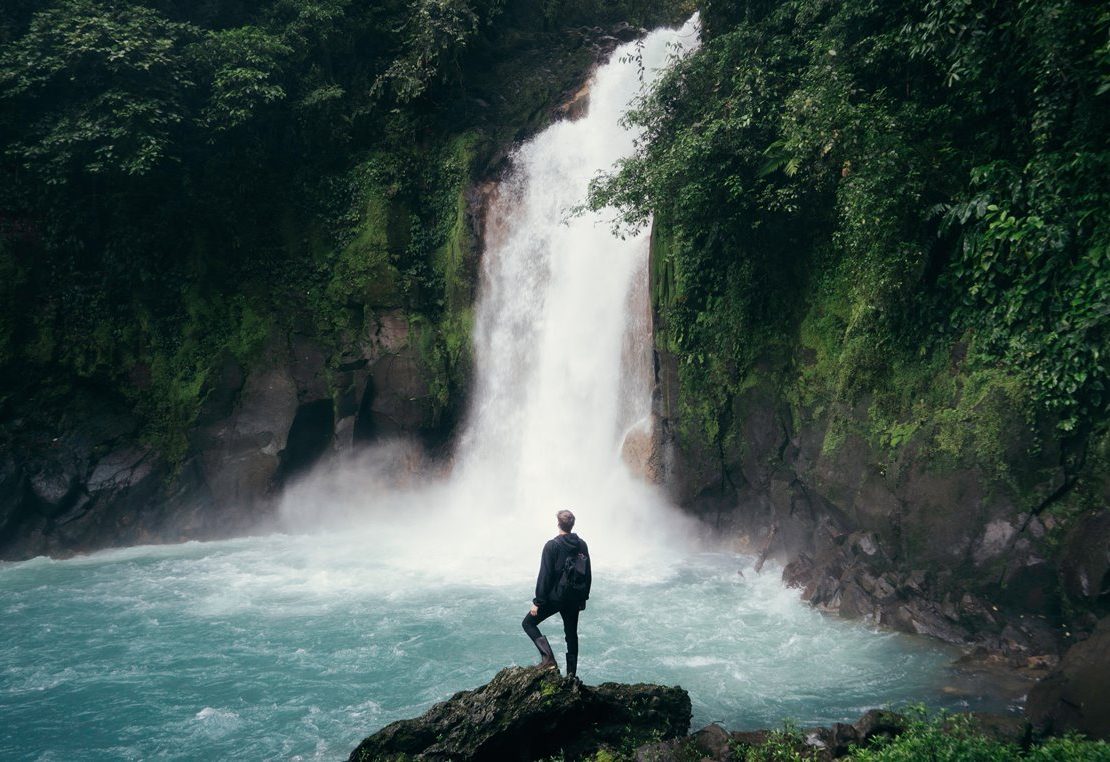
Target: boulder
column 528, row 713
column 1074, row 695
column 878, row 723
column 1085, row 561
column 640, row 451
column 713, row 741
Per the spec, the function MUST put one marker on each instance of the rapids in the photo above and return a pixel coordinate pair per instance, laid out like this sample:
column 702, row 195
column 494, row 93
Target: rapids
column 296, row 647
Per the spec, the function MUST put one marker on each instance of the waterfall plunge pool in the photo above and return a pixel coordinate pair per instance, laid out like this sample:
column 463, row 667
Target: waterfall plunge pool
column 296, row 647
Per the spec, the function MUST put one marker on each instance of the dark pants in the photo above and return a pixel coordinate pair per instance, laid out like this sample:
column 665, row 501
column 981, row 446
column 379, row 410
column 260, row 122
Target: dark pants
column 570, row 624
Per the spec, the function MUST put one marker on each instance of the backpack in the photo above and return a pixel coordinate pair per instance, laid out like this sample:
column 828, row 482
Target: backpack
column 573, row 583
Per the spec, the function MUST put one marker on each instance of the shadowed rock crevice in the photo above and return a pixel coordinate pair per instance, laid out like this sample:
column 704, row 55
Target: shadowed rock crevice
column 310, row 436
column 365, row 429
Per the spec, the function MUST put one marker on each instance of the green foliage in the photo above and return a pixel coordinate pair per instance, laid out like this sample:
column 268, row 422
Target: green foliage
column 941, row 738
column 245, row 68
column 433, row 31
column 1034, row 269
column 785, row 745
column 181, row 180
column 860, row 185
column 947, row 738
column 958, row 738
column 1070, row 748
column 96, row 88
column 173, row 370
column 976, row 426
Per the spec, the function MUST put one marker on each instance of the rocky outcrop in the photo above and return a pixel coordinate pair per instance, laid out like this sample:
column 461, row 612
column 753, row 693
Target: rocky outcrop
column 1075, row 695
column 532, row 713
column 80, row 478
column 897, row 536
column 714, row 743
column 65, row 486
column 528, row 714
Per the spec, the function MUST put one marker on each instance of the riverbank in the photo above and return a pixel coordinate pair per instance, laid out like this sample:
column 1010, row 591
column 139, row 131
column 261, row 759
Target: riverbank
column 526, row 714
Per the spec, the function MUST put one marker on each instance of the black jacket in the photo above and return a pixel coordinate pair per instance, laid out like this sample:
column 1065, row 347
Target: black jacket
column 555, row 554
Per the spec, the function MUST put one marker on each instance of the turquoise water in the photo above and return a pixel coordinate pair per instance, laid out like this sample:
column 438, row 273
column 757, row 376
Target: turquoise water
column 287, row 647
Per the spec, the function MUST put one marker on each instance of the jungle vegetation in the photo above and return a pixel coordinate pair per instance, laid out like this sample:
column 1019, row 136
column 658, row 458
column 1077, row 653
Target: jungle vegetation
column 870, row 193
column 178, row 178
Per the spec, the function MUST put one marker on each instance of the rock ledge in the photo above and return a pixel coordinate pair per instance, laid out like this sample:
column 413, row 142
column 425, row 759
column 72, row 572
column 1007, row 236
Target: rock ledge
column 527, row 713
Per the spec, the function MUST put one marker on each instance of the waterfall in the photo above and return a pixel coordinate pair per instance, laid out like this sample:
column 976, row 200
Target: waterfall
column 562, row 339
column 562, row 347
column 393, row 588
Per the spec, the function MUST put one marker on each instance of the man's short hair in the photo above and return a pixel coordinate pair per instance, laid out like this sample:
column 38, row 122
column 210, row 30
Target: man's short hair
column 566, row 520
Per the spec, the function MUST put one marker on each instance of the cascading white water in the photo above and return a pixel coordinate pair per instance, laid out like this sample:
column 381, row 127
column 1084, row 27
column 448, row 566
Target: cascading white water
column 559, row 381
column 562, row 351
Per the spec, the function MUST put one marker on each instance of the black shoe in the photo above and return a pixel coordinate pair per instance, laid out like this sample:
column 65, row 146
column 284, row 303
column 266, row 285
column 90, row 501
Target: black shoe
column 572, row 665
column 548, row 655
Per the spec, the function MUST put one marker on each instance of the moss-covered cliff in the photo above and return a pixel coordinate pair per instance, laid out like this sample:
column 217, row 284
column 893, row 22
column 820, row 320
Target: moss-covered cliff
column 881, row 259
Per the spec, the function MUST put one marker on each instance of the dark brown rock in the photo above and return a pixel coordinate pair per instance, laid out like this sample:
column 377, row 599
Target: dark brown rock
column 838, row 739
column 879, row 723
column 531, row 713
column 1075, row 695
column 713, row 741
column 1085, row 561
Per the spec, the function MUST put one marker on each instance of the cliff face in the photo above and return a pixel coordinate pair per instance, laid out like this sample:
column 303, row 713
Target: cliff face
column 969, row 524
column 79, row 474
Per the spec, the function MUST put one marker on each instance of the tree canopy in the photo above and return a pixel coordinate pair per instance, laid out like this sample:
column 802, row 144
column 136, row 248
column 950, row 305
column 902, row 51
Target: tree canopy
column 912, row 175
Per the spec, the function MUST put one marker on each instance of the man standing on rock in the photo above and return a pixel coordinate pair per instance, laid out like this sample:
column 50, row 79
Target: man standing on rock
column 563, row 585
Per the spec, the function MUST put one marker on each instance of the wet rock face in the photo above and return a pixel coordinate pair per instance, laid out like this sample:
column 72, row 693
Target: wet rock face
column 64, row 485
column 238, row 447
column 526, row 713
column 640, row 451
column 1075, row 695
column 894, row 537
column 83, row 480
column 1085, row 562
